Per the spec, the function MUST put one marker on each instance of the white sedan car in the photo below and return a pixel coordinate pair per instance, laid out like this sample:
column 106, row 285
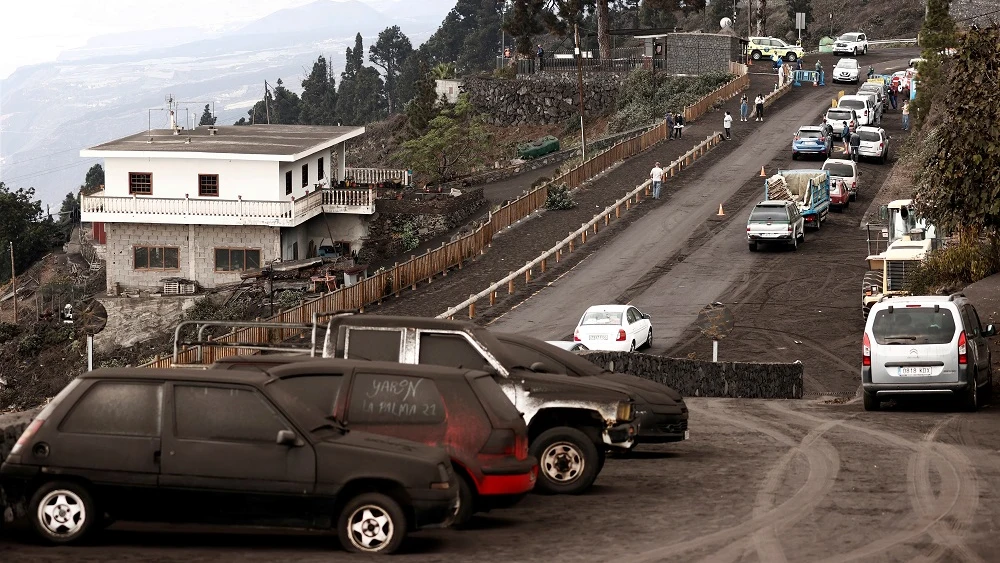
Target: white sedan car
column 847, row 70
column 615, row 328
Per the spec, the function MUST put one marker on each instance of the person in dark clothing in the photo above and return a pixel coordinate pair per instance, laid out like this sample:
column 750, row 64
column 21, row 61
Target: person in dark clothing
column 855, row 145
column 679, row 125
column 670, row 126
column 759, row 103
column 540, row 53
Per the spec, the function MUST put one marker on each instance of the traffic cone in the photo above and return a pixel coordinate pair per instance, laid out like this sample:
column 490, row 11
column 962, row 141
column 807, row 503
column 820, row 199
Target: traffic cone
column 721, row 213
column 762, row 173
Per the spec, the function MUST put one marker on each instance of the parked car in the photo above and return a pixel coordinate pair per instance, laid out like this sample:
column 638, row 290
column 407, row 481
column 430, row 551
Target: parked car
column 812, row 139
column 463, row 411
column 915, row 62
column 617, row 328
column 874, row 144
column 840, row 196
column 881, row 91
column 211, row 446
column 844, row 170
column 807, row 189
column 568, row 345
column 766, row 47
column 837, row 117
column 852, row 43
column 660, row 411
column 862, row 105
column 775, row 221
column 846, row 70
column 876, row 104
column 572, row 424
column 926, row 344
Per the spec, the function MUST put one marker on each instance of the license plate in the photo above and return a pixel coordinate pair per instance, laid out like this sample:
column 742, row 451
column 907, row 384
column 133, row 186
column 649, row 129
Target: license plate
column 687, row 434
column 915, row 371
column 598, row 337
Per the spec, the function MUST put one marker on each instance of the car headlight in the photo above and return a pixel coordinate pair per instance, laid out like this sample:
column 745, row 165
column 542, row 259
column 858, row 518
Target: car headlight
column 625, row 411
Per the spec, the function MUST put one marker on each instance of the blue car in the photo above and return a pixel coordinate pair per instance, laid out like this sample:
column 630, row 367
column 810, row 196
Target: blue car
column 812, row 139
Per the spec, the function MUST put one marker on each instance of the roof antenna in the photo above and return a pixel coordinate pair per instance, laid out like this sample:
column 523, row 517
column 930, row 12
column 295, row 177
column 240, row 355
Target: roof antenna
column 171, row 107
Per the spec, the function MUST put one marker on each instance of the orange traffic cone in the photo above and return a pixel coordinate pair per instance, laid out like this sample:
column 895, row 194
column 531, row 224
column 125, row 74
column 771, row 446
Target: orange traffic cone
column 721, row 213
column 762, row 173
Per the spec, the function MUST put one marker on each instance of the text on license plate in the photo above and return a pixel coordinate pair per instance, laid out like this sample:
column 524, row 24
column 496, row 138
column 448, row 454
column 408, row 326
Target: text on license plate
column 598, row 337
column 915, row 371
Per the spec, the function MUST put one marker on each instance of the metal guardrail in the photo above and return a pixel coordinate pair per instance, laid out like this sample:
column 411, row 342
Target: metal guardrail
column 891, row 41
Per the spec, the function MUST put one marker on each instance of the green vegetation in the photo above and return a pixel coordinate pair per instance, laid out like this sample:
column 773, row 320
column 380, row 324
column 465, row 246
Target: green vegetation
column 558, row 197
column 23, row 223
column 646, row 96
column 955, row 267
column 936, row 35
column 455, row 142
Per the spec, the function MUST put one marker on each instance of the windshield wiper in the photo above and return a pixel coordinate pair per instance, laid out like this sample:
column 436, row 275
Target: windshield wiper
column 333, row 424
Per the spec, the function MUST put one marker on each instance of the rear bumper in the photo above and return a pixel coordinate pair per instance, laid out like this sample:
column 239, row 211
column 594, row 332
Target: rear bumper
column 810, row 149
column 778, row 238
column 921, row 388
column 513, row 478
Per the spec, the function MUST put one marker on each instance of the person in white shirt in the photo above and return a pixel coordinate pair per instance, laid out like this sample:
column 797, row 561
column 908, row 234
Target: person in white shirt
column 727, row 123
column 656, row 175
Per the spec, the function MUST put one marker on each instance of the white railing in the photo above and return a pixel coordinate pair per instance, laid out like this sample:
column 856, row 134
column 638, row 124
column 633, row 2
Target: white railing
column 892, row 41
column 376, row 175
column 138, row 209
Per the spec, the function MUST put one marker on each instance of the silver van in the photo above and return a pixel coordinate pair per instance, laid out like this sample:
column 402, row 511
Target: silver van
column 926, row 345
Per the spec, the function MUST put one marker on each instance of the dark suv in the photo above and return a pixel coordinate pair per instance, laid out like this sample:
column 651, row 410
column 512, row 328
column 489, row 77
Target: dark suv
column 660, row 411
column 462, row 410
column 222, row 447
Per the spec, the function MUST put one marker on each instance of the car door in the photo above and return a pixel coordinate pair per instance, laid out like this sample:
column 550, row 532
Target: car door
column 111, row 437
column 641, row 326
column 222, row 461
column 404, row 406
column 975, row 338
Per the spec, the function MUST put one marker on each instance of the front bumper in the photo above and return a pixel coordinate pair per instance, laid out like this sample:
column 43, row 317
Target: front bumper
column 434, row 508
column 621, row 435
column 845, row 78
column 657, row 428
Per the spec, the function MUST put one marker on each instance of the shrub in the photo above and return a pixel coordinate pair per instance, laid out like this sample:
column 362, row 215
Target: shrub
column 645, row 97
column 954, row 267
column 29, row 345
column 559, row 198
column 409, row 238
column 8, row 331
column 289, row 298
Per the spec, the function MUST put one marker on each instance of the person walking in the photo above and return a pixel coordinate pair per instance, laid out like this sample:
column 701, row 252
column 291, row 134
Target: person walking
column 727, row 124
column 679, row 125
column 906, row 115
column 759, row 103
column 845, row 136
column 798, row 64
column 892, row 97
column 744, row 108
column 670, row 126
column 855, row 145
column 540, row 53
column 656, row 175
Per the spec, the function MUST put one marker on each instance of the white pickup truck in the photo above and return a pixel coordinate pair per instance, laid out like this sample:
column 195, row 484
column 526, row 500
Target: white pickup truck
column 776, row 220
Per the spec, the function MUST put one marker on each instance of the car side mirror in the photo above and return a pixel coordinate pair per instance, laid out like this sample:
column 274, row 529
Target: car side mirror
column 287, row 438
column 539, row 367
column 990, row 331
column 645, row 316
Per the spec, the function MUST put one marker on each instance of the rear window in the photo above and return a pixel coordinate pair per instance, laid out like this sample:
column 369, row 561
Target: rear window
column 119, row 408
column 395, row 399
column 840, row 170
column 494, row 399
column 764, row 214
column 921, row 325
column 602, row 318
column 870, row 136
column 809, row 134
column 853, row 104
column 375, row 345
column 839, row 114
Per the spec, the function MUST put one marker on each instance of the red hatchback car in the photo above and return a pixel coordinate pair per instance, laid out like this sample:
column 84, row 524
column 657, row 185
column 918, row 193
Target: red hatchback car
column 840, row 195
column 464, row 411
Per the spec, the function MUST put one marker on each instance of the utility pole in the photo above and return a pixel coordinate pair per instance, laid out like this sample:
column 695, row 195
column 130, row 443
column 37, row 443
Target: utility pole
column 579, row 78
column 13, row 279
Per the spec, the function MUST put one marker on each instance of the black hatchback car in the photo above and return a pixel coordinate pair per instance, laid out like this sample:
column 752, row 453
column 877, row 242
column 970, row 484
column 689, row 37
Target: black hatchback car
column 217, row 447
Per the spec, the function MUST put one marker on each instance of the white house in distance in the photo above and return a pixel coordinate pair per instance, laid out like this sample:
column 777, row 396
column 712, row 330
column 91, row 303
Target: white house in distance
column 209, row 203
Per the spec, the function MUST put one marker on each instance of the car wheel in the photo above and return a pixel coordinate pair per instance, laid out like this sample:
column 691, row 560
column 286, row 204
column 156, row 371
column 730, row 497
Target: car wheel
column 855, row 51
column 871, row 400
column 466, row 502
column 795, row 155
column 795, row 243
column 970, row 400
column 988, row 391
column 852, row 197
column 632, row 347
column 866, row 50
column 755, row 55
column 847, row 204
column 649, row 339
column 753, row 247
column 819, row 222
column 63, row 512
column 371, row 523
column 568, row 461
column 802, row 235
column 791, row 57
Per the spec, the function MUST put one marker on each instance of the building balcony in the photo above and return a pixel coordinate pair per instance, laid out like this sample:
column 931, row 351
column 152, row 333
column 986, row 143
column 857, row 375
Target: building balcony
column 99, row 208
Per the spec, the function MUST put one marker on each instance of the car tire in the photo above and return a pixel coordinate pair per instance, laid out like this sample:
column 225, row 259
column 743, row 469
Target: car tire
column 374, row 518
column 63, row 512
column 568, row 461
column 847, row 204
column 871, row 401
column 852, row 197
column 970, row 399
column 791, row 57
column 819, row 222
column 795, row 243
column 855, row 51
column 466, row 502
column 649, row 339
column 755, row 55
column 802, row 235
column 632, row 347
column 795, row 155
column 865, row 52
column 753, row 247
column 988, row 391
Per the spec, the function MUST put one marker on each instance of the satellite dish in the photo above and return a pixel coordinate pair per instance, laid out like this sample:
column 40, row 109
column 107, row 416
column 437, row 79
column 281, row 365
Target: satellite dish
column 725, row 22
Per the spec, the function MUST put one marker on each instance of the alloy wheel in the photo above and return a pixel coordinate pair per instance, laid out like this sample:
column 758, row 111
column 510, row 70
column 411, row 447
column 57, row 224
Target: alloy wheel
column 371, row 528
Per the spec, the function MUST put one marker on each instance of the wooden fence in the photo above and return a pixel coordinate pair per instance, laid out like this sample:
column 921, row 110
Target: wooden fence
column 724, row 92
column 426, row 266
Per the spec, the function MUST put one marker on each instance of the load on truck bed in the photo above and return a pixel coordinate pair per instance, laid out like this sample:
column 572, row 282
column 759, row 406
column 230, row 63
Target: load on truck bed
column 809, row 189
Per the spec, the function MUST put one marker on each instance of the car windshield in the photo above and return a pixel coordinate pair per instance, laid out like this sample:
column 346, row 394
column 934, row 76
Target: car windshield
column 848, row 37
column 847, row 63
column 838, row 114
column 839, row 170
column 768, row 213
column 602, row 318
column 809, row 134
column 914, row 325
column 852, row 104
column 870, row 136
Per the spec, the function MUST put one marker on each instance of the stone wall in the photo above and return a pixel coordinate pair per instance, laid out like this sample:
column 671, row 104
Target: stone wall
column 431, row 215
column 700, row 53
column 541, row 99
column 693, row 378
column 11, row 427
column 196, row 246
column 133, row 320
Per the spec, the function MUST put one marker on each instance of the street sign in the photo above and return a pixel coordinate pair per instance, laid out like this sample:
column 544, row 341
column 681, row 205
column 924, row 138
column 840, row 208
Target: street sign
column 715, row 321
column 800, row 20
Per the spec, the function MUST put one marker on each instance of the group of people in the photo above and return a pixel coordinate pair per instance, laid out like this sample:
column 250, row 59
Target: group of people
column 675, row 125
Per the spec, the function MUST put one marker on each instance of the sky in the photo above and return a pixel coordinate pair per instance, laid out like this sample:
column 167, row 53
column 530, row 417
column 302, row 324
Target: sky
column 36, row 31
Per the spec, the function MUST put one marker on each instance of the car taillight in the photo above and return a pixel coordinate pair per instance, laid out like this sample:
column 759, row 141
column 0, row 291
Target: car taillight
column 851, row 123
column 621, row 335
column 796, row 138
column 866, row 351
column 866, row 112
column 822, row 139
column 963, row 357
column 880, row 145
column 504, row 442
column 789, row 228
column 854, row 184
column 27, row 435
column 576, row 335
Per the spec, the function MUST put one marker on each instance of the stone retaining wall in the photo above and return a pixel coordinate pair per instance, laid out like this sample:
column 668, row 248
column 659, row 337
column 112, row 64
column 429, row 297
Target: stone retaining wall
column 541, row 99
column 430, row 218
column 693, row 378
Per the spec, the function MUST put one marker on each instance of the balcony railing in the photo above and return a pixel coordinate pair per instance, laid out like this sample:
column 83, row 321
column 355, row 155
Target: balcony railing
column 205, row 211
column 377, row 175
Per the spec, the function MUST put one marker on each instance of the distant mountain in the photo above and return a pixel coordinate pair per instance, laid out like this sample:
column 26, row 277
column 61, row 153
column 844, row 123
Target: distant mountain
column 106, row 89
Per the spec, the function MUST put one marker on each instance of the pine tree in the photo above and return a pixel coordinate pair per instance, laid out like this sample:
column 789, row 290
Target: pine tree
column 286, row 107
column 206, row 117
column 525, row 23
column 390, row 53
column 94, row 179
column 936, row 35
column 319, row 96
column 421, row 110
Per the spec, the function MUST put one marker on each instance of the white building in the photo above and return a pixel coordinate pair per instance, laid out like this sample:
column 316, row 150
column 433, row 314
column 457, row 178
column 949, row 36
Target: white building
column 210, row 203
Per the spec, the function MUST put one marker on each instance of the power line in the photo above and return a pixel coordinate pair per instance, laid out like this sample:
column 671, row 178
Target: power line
column 47, row 155
column 52, row 170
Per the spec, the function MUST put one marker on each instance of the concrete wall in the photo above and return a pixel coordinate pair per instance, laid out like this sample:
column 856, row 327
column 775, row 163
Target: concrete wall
column 298, row 190
column 134, row 320
column 196, row 244
column 541, row 99
column 450, row 89
column 174, row 177
column 692, row 378
column 331, row 226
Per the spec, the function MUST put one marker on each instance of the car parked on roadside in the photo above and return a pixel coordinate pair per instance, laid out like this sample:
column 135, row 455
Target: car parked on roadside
column 837, row 117
column 660, row 411
column 862, row 105
column 881, row 91
column 851, row 43
column 211, row 446
column 568, row 345
column 776, row 221
column 926, row 345
column 488, row 447
column 812, row 139
column 845, row 171
column 766, row 47
column 615, row 328
column 846, row 70
column 876, row 104
column 840, row 196
column 874, row 144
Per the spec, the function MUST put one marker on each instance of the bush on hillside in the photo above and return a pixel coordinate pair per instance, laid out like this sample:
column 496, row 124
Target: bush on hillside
column 646, row 97
column 559, row 198
column 955, row 267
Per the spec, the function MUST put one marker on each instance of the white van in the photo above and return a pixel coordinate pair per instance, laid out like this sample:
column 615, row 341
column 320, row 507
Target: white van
column 863, row 105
